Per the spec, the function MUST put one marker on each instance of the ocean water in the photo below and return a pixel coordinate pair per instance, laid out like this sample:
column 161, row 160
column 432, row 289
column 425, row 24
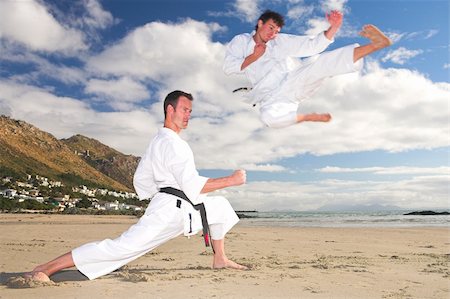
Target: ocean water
column 344, row 219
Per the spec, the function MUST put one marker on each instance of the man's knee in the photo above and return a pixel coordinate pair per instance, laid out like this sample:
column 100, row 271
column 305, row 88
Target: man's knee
column 278, row 120
column 221, row 202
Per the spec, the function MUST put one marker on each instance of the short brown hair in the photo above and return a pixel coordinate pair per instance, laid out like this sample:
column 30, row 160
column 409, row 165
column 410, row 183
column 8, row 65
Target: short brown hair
column 270, row 14
column 173, row 97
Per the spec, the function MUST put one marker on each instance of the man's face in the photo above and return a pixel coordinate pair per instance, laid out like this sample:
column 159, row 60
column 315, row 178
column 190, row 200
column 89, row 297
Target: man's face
column 182, row 113
column 268, row 30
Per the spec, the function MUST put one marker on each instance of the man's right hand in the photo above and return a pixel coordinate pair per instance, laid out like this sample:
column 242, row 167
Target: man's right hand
column 239, row 177
column 259, row 50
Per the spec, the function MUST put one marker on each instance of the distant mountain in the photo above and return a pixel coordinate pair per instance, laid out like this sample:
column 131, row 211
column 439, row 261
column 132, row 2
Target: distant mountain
column 25, row 149
column 357, row 208
column 107, row 160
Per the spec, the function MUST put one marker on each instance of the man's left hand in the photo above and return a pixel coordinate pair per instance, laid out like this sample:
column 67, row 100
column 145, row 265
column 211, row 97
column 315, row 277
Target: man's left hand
column 335, row 18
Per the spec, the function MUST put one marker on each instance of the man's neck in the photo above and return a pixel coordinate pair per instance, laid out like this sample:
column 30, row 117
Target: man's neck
column 258, row 39
column 172, row 127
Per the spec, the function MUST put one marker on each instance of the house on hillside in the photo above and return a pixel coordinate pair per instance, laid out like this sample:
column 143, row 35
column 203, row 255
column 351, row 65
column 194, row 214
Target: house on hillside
column 102, row 191
column 7, row 179
column 34, row 192
column 38, row 199
column 134, row 208
column 24, row 185
column 56, row 184
column 10, row 193
column 112, row 205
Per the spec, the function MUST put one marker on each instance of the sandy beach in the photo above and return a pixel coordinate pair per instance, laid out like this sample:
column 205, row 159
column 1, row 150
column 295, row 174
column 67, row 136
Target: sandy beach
column 284, row 262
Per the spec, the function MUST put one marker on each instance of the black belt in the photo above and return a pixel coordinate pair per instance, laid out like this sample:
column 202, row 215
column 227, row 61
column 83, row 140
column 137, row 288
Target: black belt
column 199, row 207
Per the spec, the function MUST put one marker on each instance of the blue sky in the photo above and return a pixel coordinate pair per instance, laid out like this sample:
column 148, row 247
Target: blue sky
column 101, row 69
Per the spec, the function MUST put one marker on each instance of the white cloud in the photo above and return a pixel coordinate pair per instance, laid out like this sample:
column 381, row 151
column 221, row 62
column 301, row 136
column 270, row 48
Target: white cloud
column 447, row 66
column 121, row 93
column 329, row 5
column 97, row 16
column 384, row 109
column 414, row 193
column 150, row 51
column 431, row 33
column 192, row 63
column 400, row 55
column 421, row 35
column 411, row 36
column 41, row 67
column 264, row 167
column 320, row 23
column 317, row 25
column 295, row 1
column 63, row 117
column 31, row 24
column 300, row 11
column 245, row 10
column 394, row 36
column 248, row 9
column 443, row 170
column 380, row 109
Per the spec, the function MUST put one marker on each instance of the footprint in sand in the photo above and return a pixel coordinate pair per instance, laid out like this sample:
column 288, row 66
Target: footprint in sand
column 23, row 283
column 133, row 277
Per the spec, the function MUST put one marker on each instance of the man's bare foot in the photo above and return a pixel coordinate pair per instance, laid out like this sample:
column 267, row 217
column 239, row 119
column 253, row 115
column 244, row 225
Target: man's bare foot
column 227, row 264
column 376, row 36
column 37, row 276
column 323, row 117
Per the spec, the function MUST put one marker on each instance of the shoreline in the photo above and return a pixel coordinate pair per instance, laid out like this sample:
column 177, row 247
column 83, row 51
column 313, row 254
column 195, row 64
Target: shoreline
column 286, row 262
column 342, row 219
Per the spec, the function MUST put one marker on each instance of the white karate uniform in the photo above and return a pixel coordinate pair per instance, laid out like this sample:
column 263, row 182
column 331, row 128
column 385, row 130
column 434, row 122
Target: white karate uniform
column 168, row 162
column 279, row 80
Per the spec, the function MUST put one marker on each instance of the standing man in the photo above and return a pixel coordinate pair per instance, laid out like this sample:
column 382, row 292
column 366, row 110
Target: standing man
column 279, row 85
column 167, row 168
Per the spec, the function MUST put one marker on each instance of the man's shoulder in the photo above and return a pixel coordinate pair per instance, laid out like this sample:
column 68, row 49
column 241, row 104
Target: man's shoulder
column 169, row 140
column 285, row 39
column 284, row 36
column 247, row 34
column 166, row 135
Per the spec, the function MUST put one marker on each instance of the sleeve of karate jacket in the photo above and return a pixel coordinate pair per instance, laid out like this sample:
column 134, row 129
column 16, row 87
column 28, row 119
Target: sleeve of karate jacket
column 143, row 181
column 302, row 46
column 180, row 162
column 235, row 56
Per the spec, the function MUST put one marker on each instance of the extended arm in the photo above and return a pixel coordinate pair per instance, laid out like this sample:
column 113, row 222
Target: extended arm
column 335, row 20
column 237, row 178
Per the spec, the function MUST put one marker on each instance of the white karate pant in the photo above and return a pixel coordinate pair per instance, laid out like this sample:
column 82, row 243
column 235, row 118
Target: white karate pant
column 161, row 222
column 281, row 109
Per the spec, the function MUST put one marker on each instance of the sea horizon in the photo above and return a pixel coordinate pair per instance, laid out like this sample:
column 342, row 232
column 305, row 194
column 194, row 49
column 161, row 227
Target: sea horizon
column 375, row 219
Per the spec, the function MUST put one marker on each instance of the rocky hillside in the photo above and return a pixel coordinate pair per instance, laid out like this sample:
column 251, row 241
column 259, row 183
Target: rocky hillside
column 25, row 149
column 107, row 160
